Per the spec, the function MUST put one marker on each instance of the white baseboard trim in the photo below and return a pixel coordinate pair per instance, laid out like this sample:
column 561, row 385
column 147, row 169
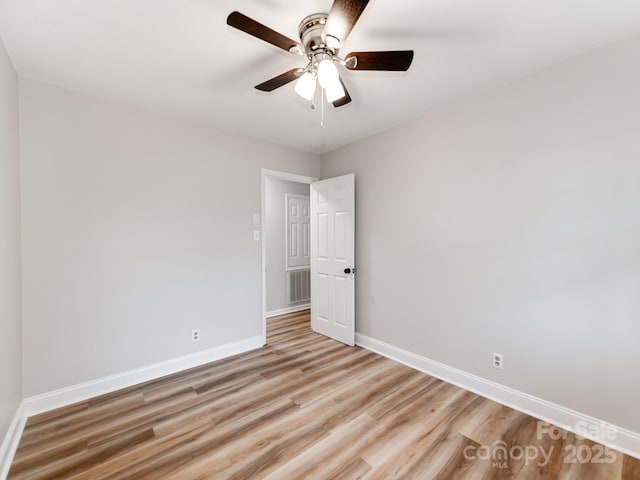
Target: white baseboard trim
column 283, row 311
column 78, row 393
column 11, row 440
column 623, row 440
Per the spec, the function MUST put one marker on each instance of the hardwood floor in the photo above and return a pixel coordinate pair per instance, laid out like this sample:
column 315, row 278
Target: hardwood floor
column 303, row 407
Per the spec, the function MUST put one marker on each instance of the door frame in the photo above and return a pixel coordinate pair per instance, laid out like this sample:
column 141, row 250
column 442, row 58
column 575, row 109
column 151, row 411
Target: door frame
column 274, row 174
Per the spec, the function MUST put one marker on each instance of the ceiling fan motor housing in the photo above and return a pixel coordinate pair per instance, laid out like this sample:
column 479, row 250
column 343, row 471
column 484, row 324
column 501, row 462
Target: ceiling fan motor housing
column 311, row 29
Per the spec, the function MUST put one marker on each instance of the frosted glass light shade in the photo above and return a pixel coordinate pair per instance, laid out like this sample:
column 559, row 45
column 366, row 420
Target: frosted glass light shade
column 306, row 86
column 334, row 91
column 327, row 73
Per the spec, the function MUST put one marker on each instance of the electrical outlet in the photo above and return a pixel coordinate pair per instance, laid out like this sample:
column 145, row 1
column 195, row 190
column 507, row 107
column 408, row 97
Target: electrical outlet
column 195, row 334
column 497, row 360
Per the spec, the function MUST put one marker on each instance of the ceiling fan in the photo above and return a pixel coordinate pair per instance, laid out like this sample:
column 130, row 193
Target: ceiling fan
column 321, row 37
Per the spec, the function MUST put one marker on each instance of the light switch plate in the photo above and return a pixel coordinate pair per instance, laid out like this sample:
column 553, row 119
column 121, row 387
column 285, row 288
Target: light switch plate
column 256, row 234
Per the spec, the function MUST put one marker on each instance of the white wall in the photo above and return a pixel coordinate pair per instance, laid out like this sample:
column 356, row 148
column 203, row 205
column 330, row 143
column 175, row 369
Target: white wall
column 136, row 229
column 10, row 283
column 275, row 224
column 511, row 223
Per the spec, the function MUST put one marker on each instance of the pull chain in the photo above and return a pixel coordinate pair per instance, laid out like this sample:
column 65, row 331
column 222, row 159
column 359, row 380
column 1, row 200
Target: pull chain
column 313, row 106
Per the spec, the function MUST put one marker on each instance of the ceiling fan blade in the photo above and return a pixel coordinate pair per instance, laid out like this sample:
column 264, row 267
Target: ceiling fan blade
column 391, row 61
column 342, row 17
column 280, row 80
column 258, row 30
column 344, row 100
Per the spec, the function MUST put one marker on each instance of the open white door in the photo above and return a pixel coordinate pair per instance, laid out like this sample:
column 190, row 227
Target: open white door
column 333, row 257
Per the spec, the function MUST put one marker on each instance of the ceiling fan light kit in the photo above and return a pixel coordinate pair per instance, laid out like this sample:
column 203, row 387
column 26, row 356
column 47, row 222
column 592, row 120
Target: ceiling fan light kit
column 321, row 37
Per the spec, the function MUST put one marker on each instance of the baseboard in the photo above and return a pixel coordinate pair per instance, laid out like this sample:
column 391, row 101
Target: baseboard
column 626, row 441
column 78, row 393
column 11, row 441
column 283, row 311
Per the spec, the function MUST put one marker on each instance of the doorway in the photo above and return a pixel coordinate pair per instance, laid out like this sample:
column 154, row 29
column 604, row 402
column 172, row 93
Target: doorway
column 285, row 271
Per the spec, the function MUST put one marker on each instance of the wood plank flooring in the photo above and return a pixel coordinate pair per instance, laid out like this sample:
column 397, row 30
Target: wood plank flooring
column 303, row 407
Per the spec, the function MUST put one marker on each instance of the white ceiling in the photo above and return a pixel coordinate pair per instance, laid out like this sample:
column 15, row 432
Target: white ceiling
column 179, row 57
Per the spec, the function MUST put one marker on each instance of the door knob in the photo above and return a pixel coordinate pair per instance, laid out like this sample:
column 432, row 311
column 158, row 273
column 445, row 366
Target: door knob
column 349, row 270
